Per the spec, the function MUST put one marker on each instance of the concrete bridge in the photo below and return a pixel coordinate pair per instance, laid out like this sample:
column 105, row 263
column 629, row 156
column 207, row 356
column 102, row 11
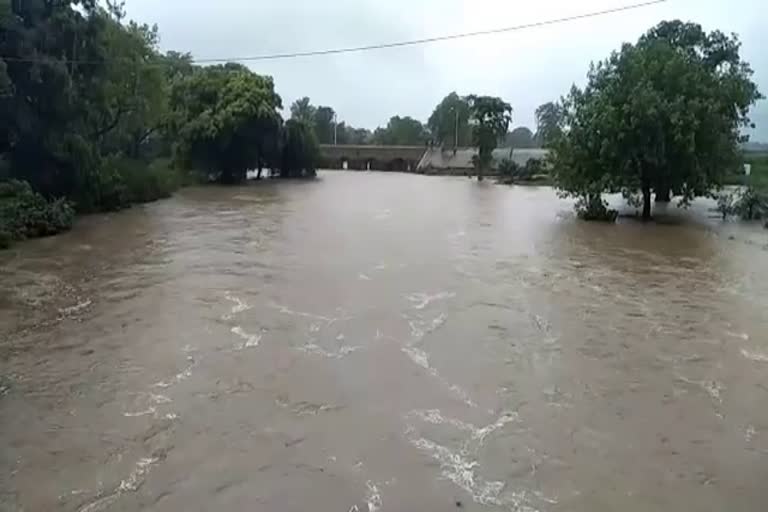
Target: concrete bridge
column 368, row 157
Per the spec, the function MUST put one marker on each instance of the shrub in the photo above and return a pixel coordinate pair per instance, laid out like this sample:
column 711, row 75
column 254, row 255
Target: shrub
column 725, row 204
column 147, row 182
column 752, row 204
column 26, row 214
column 592, row 207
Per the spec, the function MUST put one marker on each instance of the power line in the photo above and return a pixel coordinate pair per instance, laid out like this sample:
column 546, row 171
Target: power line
column 427, row 40
column 413, row 42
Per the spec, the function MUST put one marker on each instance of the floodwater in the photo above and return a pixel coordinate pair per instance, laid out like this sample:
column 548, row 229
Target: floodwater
column 379, row 342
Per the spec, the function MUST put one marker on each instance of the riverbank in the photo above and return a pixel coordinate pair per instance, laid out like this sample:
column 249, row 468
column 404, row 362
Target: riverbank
column 26, row 214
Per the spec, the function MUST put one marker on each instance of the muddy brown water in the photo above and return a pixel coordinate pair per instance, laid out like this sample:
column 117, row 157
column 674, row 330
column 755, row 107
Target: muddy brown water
column 384, row 342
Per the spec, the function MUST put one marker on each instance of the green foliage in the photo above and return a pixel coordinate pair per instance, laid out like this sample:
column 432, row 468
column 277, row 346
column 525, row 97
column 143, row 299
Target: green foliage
column 665, row 113
column 549, row 121
column 145, row 182
column 302, row 110
column 725, row 204
column 490, row 118
column 510, row 172
column 323, row 122
column 520, row 138
column 592, row 207
column 752, row 203
column 401, row 131
column 451, row 117
column 26, row 214
column 300, row 151
column 225, row 118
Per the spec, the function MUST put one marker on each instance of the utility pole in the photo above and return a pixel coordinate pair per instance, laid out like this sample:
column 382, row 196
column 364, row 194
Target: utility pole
column 335, row 132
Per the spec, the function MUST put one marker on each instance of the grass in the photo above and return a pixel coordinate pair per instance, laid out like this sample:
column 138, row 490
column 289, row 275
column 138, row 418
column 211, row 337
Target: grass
column 759, row 175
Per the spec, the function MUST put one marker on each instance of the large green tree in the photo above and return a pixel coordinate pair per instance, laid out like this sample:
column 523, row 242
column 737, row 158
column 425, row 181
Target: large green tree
column 300, row 150
column 663, row 114
column 549, row 120
column 490, row 118
column 226, row 113
column 520, row 138
column 303, row 110
column 323, row 122
column 401, row 131
column 449, row 122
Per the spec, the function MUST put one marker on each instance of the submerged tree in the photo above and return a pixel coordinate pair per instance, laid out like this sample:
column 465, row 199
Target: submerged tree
column 490, row 117
column 300, row 151
column 225, row 112
column 663, row 114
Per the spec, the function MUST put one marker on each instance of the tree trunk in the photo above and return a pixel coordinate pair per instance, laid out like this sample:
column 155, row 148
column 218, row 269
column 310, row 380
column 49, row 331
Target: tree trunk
column 646, row 202
column 479, row 174
column 261, row 167
column 663, row 195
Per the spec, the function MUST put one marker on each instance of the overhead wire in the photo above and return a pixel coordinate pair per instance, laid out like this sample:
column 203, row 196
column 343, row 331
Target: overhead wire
column 381, row 46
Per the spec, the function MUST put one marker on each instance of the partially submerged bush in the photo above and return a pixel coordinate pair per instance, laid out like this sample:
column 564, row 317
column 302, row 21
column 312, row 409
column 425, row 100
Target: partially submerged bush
column 510, row 172
column 725, row 203
column 752, row 203
column 26, row 214
column 592, row 207
column 145, row 182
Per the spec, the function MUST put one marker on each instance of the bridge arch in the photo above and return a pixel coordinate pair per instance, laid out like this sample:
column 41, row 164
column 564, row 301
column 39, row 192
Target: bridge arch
column 363, row 157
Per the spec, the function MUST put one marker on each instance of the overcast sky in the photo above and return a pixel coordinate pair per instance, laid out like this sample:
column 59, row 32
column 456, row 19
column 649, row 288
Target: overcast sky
column 526, row 68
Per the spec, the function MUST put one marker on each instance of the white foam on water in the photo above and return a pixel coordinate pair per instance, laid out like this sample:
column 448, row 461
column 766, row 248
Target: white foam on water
column 373, row 498
column 137, row 476
column 239, row 306
column 741, row 335
column 250, row 340
column 419, row 357
column 151, row 411
column 312, row 348
column 132, row 483
column 383, row 214
column 755, row 356
column 713, row 388
column 71, row 310
column 159, row 399
column 420, row 328
column 381, row 266
column 422, row 300
column 460, row 469
column 478, row 434
column 171, row 416
column 287, row 311
column 179, row 377
column 749, row 433
column 363, row 277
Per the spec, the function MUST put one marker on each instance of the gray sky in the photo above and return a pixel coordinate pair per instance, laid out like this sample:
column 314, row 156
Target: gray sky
column 526, row 68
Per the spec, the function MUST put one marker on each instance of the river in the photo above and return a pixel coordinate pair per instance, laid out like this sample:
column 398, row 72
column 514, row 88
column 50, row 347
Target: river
column 378, row 342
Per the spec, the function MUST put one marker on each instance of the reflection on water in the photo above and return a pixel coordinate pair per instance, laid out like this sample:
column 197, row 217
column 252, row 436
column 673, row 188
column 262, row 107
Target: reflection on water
column 380, row 342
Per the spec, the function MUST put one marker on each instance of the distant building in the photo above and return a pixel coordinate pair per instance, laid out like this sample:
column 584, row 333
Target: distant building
column 439, row 160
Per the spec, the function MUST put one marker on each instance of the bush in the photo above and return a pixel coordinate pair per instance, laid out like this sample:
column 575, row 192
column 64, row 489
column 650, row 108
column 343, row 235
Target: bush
column 510, row 172
column 145, row 182
column 752, row 204
column 26, row 214
column 593, row 208
column 725, row 204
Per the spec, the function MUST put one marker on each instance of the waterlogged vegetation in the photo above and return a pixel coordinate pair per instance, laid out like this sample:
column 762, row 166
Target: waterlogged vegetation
column 96, row 118
column 93, row 117
column 662, row 116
